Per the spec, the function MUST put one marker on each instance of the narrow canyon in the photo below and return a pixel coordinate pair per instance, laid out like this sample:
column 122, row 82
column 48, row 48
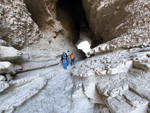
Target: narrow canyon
column 111, row 43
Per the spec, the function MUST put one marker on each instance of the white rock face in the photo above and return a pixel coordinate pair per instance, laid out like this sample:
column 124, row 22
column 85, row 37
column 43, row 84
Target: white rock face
column 2, row 78
column 9, row 53
column 12, row 101
column 5, row 67
column 3, row 86
column 115, row 79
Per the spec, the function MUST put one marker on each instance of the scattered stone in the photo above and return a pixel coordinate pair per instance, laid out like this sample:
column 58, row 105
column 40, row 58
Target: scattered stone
column 2, row 78
column 142, row 64
column 8, row 77
column 5, row 67
column 17, row 68
column 3, row 43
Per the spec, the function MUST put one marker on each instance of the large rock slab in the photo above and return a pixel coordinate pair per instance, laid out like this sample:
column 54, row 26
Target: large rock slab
column 104, row 65
column 9, row 53
column 129, row 103
column 14, row 99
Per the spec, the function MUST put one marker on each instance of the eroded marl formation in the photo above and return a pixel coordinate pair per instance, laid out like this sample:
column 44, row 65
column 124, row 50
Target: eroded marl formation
column 44, row 15
column 40, row 44
column 23, row 86
column 7, row 66
column 117, row 76
column 126, row 22
column 18, row 30
column 39, row 49
column 17, row 27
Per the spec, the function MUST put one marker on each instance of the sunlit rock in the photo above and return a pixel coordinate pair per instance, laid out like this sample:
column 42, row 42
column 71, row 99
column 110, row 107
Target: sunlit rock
column 2, row 78
column 9, row 53
column 5, row 67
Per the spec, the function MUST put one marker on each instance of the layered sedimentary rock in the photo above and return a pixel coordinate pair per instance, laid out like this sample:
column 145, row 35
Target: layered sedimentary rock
column 115, row 77
column 115, row 73
column 118, row 78
column 31, row 39
column 126, row 22
column 17, row 27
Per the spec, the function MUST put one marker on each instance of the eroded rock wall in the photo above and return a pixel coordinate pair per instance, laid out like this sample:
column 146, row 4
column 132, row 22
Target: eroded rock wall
column 127, row 20
column 16, row 25
column 115, row 76
column 43, row 14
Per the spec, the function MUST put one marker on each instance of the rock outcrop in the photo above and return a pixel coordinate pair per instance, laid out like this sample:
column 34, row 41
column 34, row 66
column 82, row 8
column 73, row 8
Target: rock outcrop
column 17, row 27
column 126, row 22
column 121, row 63
column 114, row 79
column 8, row 55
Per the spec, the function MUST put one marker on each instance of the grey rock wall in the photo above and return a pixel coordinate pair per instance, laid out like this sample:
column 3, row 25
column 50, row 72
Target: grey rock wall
column 127, row 20
column 16, row 25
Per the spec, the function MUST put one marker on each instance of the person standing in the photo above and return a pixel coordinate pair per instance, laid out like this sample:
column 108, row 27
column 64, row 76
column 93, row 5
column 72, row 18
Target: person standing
column 72, row 57
column 64, row 58
column 68, row 58
column 65, row 63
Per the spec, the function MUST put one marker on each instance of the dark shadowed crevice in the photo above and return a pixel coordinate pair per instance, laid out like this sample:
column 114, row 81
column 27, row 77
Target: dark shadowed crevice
column 38, row 14
column 70, row 13
column 74, row 10
column 42, row 16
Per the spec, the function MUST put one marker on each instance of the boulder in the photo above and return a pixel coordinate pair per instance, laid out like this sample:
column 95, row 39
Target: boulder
column 5, row 67
column 8, row 77
column 142, row 64
column 3, row 43
column 17, row 68
column 9, row 53
column 2, row 78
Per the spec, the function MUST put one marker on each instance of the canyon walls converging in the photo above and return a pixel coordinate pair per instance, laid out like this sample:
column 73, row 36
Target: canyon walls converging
column 35, row 33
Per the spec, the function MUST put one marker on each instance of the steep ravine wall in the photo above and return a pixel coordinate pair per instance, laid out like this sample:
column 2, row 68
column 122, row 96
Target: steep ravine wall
column 119, row 19
column 116, row 77
column 32, row 40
